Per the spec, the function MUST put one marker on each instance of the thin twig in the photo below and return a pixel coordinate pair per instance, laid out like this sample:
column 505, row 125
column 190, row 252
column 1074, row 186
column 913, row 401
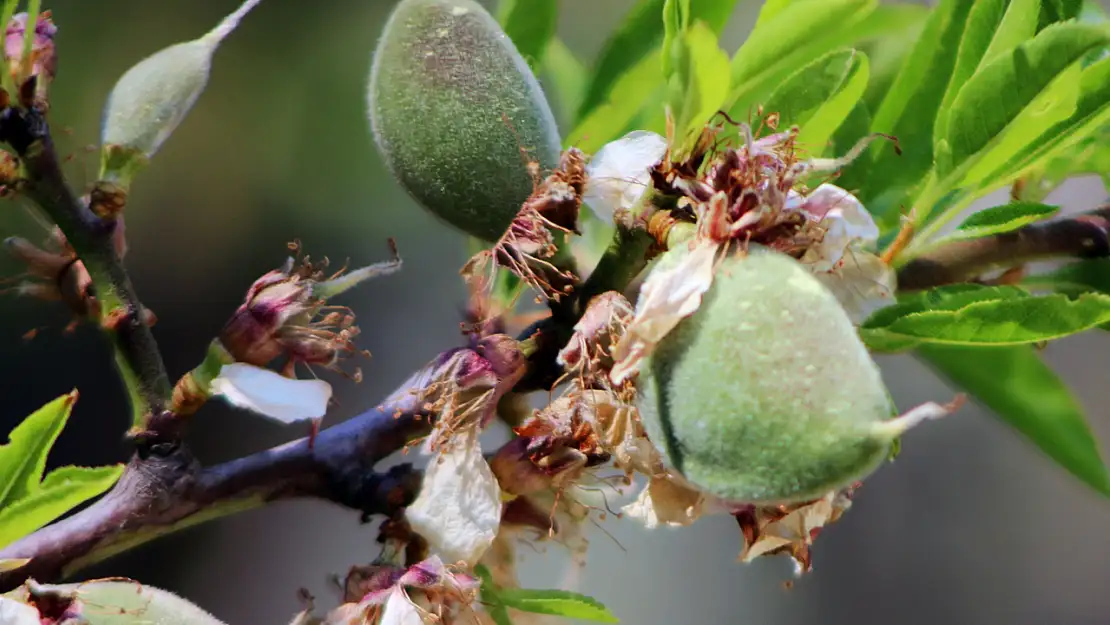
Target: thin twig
column 1086, row 235
column 121, row 313
column 164, row 492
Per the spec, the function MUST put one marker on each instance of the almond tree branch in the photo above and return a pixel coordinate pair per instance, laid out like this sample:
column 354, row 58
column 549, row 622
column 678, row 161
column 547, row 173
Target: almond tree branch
column 120, row 312
column 1086, row 235
column 167, row 490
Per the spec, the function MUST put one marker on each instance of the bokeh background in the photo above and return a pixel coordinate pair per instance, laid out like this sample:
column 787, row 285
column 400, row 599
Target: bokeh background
column 970, row 525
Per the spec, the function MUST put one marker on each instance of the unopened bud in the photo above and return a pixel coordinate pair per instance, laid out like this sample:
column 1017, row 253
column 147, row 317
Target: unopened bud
column 42, row 60
column 457, row 114
column 153, row 97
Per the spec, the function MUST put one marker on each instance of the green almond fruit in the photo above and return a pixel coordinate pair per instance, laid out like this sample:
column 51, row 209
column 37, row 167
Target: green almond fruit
column 452, row 104
column 118, row 603
column 766, row 394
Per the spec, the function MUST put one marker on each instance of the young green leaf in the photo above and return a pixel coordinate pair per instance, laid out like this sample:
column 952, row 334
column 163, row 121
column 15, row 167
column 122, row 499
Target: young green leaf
column 1002, row 89
column 62, row 490
column 1004, row 218
column 557, row 603
column 638, row 36
column 531, row 25
column 640, row 85
column 23, row 459
column 490, row 597
column 698, row 87
column 1025, row 393
column 1092, row 114
column 1053, row 11
column 990, row 316
column 820, row 96
column 909, row 109
column 993, row 27
column 788, row 41
column 770, row 9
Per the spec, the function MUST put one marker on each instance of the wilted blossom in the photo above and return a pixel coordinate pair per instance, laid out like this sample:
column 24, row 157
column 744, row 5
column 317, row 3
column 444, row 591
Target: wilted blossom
column 428, row 591
column 285, row 314
column 43, row 61
column 754, row 194
column 458, row 509
column 790, row 530
column 619, row 173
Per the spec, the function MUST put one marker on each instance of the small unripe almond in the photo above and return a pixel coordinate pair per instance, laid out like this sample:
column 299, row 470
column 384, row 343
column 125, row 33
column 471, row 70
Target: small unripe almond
column 452, row 104
column 766, row 394
column 152, row 98
column 115, row 603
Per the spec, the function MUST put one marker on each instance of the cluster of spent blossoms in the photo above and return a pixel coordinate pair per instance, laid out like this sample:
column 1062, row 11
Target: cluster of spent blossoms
column 739, row 202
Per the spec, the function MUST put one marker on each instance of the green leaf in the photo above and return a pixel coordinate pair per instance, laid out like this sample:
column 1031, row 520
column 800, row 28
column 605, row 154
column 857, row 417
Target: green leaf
column 770, row 9
column 1053, row 11
column 638, row 36
column 568, row 80
column 820, row 96
column 995, row 96
column 1004, row 218
column 61, row 491
column 699, row 87
column 1024, row 392
column 556, row 602
column 490, row 593
column 531, row 25
column 909, row 109
column 631, row 92
column 788, row 41
column 1079, row 276
column 988, row 316
column 23, row 460
column 1091, row 115
column 993, row 27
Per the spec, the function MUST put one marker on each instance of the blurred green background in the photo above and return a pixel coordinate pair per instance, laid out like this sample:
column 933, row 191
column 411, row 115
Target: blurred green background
column 970, row 525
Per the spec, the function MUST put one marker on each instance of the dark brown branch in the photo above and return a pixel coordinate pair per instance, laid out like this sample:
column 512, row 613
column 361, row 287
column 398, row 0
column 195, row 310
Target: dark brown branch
column 120, row 311
column 168, row 490
column 1081, row 236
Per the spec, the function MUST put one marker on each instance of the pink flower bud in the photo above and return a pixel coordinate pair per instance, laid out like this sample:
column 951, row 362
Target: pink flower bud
column 43, row 60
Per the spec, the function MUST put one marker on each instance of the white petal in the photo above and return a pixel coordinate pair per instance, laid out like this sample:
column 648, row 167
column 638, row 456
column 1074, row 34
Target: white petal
column 14, row 612
column 399, row 610
column 458, row 509
column 668, row 295
column 619, row 172
column 845, row 221
column 862, row 283
column 666, row 502
column 271, row 394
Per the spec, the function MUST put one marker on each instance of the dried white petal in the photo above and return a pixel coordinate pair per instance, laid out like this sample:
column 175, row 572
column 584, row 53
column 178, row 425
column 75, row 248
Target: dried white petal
column 862, row 283
column 399, row 610
column 619, row 172
column 458, row 509
column 14, row 612
column 666, row 502
column 844, row 220
column 668, row 295
column 271, row 394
